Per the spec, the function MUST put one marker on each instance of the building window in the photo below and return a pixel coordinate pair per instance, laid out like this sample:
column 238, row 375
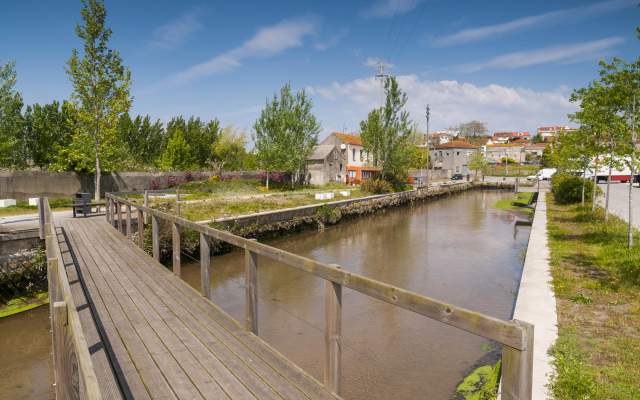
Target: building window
column 361, row 159
column 340, row 167
column 353, row 154
column 457, row 153
column 352, row 174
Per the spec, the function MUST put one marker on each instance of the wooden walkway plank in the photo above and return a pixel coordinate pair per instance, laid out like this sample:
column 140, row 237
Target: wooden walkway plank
column 202, row 328
column 233, row 335
column 149, row 298
column 107, row 381
column 154, row 381
column 179, row 381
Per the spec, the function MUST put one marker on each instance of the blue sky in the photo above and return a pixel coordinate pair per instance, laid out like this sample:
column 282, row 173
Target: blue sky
column 511, row 64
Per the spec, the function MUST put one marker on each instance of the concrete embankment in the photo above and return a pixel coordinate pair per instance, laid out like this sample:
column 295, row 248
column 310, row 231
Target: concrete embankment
column 536, row 302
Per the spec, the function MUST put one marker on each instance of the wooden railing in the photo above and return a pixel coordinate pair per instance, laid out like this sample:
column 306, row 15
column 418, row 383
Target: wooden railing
column 515, row 336
column 74, row 374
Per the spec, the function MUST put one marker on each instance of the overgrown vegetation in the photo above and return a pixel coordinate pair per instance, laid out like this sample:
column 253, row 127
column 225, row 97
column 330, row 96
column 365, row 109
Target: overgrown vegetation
column 520, row 201
column 570, row 189
column 481, row 384
column 376, row 186
column 596, row 280
column 23, row 277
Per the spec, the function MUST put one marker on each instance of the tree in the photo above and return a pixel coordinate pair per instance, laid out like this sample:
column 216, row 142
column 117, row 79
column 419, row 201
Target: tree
column 13, row 152
column 200, row 135
column 478, row 162
column 48, row 130
column 145, row 140
column 178, row 155
column 387, row 132
column 100, row 92
column 286, row 133
column 472, row 128
column 229, row 150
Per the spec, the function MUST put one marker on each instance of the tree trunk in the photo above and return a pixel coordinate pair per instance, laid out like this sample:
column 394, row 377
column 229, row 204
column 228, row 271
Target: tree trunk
column 593, row 193
column 98, row 173
column 267, row 180
column 606, row 201
column 630, row 228
column 584, row 183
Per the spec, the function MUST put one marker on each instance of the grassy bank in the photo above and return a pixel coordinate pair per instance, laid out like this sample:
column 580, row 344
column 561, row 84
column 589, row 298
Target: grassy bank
column 596, row 280
column 22, row 207
column 519, row 201
column 523, row 170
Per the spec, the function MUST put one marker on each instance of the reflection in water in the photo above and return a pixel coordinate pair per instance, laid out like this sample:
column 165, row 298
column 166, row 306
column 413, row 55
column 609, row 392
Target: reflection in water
column 458, row 250
column 25, row 356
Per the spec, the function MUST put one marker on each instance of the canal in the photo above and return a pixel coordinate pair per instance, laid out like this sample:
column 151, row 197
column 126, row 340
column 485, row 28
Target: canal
column 459, row 250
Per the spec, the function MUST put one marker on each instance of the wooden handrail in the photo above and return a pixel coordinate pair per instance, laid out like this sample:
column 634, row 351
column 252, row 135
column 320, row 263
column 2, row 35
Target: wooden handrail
column 517, row 336
column 69, row 343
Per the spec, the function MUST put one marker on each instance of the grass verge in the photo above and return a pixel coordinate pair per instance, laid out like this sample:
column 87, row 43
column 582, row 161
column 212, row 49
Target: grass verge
column 596, row 280
column 519, row 201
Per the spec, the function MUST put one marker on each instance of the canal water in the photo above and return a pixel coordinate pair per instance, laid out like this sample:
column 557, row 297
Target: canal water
column 25, row 356
column 459, row 250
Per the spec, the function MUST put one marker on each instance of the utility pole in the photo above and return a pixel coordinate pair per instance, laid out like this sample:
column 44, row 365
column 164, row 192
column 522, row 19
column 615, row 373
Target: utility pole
column 382, row 76
column 428, row 115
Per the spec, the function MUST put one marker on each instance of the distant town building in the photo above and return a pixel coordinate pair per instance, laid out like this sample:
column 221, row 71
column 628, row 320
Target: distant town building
column 438, row 137
column 550, row 133
column 453, row 156
column 495, row 153
column 508, row 137
column 340, row 155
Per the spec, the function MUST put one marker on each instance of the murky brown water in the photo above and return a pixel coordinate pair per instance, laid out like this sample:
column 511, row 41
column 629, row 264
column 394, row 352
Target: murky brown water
column 25, row 356
column 459, row 250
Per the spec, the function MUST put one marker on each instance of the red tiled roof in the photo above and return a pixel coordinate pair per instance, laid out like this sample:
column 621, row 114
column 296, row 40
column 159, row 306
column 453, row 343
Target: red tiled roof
column 456, row 144
column 350, row 139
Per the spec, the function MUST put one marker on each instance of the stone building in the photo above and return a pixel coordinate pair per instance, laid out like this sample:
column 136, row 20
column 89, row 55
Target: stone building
column 453, row 157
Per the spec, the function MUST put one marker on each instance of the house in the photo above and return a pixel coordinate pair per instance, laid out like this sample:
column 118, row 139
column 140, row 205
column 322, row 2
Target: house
column 535, row 150
column 495, row 153
column 508, row 137
column 550, row 133
column 343, row 156
column 453, row 157
column 323, row 166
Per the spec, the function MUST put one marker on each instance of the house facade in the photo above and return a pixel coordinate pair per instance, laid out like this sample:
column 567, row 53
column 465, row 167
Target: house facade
column 453, row 157
column 508, row 137
column 551, row 133
column 495, row 153
column 340, row 155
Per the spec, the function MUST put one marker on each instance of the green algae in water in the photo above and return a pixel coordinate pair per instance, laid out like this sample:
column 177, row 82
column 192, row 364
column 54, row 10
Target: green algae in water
column 481, row 384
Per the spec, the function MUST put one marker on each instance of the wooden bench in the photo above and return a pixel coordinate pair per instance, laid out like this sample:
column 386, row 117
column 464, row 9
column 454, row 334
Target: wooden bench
column 75, row 206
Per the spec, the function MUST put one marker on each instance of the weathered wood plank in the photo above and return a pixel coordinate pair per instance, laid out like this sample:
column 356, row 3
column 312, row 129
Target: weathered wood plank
column 333, row 337
column 251, row 291
column 517, row 367
column 129, row 228
column 175, row 240
column 205, row 266
column 140, row 229
column 155, row 240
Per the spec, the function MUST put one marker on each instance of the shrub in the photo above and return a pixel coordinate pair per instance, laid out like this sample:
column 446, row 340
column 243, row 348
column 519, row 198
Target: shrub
column 567, row 189
column 507, row 160
column 376, row 186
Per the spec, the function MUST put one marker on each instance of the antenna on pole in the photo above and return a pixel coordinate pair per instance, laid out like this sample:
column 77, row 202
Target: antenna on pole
column 428, row 116
column 381, row 75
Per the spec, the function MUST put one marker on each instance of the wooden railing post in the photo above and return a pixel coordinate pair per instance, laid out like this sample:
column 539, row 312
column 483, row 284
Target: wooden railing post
column 129, row 229
column 251, row 291
column 146, row 205
column 120, row 221
column 107, row 208
column 58, row 326
column 140, row 229
column 205, row 264
column 517, row 367
column 175, row 239
column 332, row 336
column 178, row 202
column 155, row 242
column 41, row 218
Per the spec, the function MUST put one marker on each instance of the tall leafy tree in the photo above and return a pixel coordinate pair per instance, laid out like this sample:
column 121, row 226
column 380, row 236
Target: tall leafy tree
column 13, row 151
column 145, row 140
column 178, row 155
column 48, row 129
column 229, row 152
column 101, row 92
column 387, row 133
column 286, row 132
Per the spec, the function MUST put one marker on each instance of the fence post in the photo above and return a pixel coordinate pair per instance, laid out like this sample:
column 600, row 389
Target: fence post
column 251, row 291
column 155, row 243
column 517, row 367
column 129, row 230
column 205, row 263
column 58, row 323
column 107, row 208
column 332, row 336
column 140, row 229
column 175, row 240
column 146, row 205
column 120, row 221
column 40, row 218
column 178, row 202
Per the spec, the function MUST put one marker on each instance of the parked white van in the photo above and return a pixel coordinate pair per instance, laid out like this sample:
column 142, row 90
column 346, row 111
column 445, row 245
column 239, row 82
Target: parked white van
column 544, row 174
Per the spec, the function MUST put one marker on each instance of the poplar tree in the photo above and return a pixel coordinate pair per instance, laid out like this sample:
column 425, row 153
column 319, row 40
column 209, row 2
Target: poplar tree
column 100, row 91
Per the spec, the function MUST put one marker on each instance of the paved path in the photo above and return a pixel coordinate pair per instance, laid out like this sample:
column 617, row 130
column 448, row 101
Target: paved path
column 619, row 201
column 536, row 302
column 155, row 337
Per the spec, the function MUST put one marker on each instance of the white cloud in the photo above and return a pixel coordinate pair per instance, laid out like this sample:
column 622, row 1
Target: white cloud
column 564, row 53
column 374, row 62
column 331, row 41
column 452, row 102
column 483, row 32
column 389, row 8
column 176, row 32
column 267, row 42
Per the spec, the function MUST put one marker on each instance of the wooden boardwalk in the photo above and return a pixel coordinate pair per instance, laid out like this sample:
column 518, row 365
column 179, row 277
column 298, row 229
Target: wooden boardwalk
column 152, row 336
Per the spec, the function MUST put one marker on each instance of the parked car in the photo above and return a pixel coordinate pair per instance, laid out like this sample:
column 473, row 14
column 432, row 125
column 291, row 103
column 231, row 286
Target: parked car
column 457, row 177
column 544, row 174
